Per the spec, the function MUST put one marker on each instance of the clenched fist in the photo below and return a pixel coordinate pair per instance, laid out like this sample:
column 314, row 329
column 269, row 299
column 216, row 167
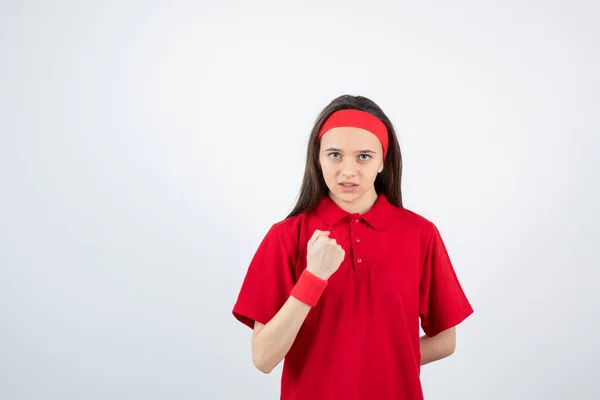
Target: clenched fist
column 324, row 255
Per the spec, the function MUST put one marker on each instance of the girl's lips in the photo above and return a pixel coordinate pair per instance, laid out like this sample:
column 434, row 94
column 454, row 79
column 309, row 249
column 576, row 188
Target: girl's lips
column 348, row 188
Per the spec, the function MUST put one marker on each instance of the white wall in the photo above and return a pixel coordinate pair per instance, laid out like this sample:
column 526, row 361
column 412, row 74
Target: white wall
column 146, row 148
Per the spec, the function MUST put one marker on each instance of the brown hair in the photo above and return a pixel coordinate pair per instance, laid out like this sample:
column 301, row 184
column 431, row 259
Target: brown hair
column 387, row 182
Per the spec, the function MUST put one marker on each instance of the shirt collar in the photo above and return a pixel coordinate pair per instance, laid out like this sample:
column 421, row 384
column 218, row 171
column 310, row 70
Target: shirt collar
column 378, row 216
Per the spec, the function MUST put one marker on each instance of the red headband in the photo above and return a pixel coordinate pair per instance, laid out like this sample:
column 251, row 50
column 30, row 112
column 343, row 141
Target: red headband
column 357, row 119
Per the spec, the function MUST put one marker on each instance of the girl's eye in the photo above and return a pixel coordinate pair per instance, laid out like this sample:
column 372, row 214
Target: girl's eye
column 365, row 157
column 334, row 155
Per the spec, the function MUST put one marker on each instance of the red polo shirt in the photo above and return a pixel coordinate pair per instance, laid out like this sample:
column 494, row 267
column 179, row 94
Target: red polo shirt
column 361, row 341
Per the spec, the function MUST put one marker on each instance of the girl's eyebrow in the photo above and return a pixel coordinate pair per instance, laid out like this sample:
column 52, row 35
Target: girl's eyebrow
column 360, row 151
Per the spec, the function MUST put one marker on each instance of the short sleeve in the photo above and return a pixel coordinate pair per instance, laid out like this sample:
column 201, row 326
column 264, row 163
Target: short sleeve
column 442, row 301
column 269, row 279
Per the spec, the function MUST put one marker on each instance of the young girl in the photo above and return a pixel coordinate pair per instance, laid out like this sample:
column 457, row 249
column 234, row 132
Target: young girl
column 341, row 287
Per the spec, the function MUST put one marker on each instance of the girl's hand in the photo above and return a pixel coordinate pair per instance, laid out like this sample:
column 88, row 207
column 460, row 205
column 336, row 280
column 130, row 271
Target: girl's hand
column 324, row 255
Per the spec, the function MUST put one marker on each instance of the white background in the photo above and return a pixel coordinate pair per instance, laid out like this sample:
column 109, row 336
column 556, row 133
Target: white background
column 146, row 147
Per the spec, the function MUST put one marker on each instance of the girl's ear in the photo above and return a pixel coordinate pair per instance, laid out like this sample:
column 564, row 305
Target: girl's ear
column 380, row 168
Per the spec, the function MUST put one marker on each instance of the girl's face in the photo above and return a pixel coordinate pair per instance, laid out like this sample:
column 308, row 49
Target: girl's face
column 350, row 159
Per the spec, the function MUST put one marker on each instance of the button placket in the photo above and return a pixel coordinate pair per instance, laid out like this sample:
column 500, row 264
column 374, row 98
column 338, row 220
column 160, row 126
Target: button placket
column 357, row 253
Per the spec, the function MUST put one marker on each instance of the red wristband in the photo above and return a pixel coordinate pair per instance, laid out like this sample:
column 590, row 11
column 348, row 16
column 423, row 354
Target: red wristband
column 309, row 287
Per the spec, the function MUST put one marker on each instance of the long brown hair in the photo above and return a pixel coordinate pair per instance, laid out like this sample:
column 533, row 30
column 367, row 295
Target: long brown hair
column 387, row 182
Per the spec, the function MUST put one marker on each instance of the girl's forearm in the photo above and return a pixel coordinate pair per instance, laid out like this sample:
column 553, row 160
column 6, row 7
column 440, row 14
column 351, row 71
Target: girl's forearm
column 274, row 340
column 437, row 347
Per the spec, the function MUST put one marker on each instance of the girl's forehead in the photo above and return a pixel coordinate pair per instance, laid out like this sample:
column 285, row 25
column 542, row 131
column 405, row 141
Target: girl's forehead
column 349, row 138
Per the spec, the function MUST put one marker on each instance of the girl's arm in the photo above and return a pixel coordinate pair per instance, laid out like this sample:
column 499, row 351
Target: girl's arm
column 439, row 346
column 271, row 342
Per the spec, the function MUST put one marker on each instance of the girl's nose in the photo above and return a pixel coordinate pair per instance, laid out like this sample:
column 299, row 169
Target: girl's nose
column 349, row 168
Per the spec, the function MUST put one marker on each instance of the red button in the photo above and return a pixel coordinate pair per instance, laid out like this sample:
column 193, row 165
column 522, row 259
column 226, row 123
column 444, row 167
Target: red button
column 357, row 240
column 359, row 260
column 356, row 221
